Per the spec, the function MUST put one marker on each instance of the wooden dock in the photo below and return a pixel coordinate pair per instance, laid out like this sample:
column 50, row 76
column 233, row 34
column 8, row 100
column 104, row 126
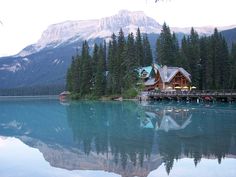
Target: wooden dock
column 196, row 95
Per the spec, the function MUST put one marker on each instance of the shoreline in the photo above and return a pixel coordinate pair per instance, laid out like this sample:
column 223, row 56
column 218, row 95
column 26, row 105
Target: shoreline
column 30, row 97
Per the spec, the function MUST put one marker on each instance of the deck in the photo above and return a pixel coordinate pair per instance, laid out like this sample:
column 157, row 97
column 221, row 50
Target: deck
column 196, row 95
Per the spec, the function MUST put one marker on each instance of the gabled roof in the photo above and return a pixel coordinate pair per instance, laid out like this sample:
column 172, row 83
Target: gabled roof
column 168, row 123
column 167, row 73
column 147, row 69
column 150, row 82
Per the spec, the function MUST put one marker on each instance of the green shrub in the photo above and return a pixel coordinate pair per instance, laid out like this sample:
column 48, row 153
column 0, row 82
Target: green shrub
column 130, row 93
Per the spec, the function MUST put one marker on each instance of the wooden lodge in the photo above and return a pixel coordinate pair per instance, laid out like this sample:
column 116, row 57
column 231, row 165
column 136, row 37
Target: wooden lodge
column 174, row 83
column 165, row 78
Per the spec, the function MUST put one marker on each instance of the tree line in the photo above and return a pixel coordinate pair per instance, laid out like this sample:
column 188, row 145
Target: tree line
column 211, row 63
column 112, row 68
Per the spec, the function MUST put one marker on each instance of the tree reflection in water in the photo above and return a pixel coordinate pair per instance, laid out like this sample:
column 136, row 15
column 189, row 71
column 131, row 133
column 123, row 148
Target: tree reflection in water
column 131, row 132
column 111, row 127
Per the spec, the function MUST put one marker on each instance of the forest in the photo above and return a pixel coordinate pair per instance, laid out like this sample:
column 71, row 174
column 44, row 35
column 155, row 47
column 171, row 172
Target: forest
column 111, row 68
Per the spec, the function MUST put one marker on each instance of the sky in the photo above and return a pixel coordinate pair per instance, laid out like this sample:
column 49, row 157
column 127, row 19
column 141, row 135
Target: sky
column 23, row 21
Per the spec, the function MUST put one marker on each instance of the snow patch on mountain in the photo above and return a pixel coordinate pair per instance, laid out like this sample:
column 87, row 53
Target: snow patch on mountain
column 57, row 61
column 16, row 65
column 12, row 68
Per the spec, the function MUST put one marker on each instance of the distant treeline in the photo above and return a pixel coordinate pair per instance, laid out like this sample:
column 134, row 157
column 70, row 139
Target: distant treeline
column 112, row 70
column 33, row 90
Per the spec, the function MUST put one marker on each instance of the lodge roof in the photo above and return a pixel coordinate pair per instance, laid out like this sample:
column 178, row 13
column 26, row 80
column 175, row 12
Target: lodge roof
column 150, row 82
column 167, row 73
column 146, row 69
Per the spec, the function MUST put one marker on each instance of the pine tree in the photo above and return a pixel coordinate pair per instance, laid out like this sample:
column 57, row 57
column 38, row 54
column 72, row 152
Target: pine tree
column 139, row 48
column 184, row 53
column 131, row 64
column 175, row 50
column 69, row 80
column 194, row 57
column 86, row 75
column 147, row 51
column 119, row 69
column 215, row 57
column 113, row 76
column 94, row 62
column 206, row 65
column 100, row 74
column 233, row 67
column 165, row 55
column 225, row 65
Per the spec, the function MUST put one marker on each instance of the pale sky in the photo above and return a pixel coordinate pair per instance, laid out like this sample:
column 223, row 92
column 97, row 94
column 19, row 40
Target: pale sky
column 23, row 21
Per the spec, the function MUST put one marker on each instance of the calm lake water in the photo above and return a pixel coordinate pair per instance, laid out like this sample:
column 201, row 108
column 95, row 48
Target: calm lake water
column 46, row 138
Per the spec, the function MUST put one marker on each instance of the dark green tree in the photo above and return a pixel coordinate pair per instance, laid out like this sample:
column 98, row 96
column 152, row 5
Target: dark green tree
column 139, row 48
column 184, row 53
column 131, row 64
column 86, row 70
column 175, row 50
column 165, row 47
column 100, row 79
column 215, row 57
column 113, row 74
column 193, row 57
column 225, row 65
column 119, row 67
column 205, row 64
column 147, row 51
column 233, row 67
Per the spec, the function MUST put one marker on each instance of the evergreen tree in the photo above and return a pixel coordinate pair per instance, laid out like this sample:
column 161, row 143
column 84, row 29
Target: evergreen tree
column 105, row 54
column 206, row 65
column 94, row 62
column 233, row 67
column 139, row 49
column 175, row 50
column 165, row 54
column 225, row 65
column 110, row 65
column 131, row 64
column 73, row 75
column 184, row 53
column 194, row 57
column 69, row 80
column 86, row 75
column 113, row 74
column 119, row 69
column 215, row 57
column 100, row 79
column 147, row 52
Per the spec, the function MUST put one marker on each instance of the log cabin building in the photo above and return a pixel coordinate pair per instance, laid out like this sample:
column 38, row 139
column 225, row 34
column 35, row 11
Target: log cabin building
column 166, row 78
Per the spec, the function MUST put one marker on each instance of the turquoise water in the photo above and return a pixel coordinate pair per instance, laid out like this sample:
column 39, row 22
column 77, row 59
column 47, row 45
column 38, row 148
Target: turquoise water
column 46, row 138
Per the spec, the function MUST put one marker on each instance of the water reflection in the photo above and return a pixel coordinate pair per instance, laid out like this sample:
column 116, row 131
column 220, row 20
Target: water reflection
column 123, row 137
column 111, row 128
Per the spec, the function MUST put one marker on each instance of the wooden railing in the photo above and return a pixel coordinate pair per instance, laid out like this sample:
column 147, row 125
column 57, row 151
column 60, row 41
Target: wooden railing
column 193, row 93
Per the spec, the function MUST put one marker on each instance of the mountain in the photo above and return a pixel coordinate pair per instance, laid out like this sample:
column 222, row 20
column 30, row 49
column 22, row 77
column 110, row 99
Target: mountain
column 46, row 62
column 230, row 36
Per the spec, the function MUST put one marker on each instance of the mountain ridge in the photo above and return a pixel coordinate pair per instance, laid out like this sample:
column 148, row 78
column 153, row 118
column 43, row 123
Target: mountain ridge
column 46, row 61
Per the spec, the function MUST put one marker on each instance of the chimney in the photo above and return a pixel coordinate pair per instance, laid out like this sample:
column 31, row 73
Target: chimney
column 164, row 69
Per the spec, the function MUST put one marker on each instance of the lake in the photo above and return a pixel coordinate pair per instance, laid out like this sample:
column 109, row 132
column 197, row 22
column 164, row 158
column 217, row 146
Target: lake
column 46, row 138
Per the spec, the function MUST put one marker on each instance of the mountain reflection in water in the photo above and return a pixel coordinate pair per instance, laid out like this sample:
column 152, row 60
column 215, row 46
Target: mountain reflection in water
column 122, row 137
